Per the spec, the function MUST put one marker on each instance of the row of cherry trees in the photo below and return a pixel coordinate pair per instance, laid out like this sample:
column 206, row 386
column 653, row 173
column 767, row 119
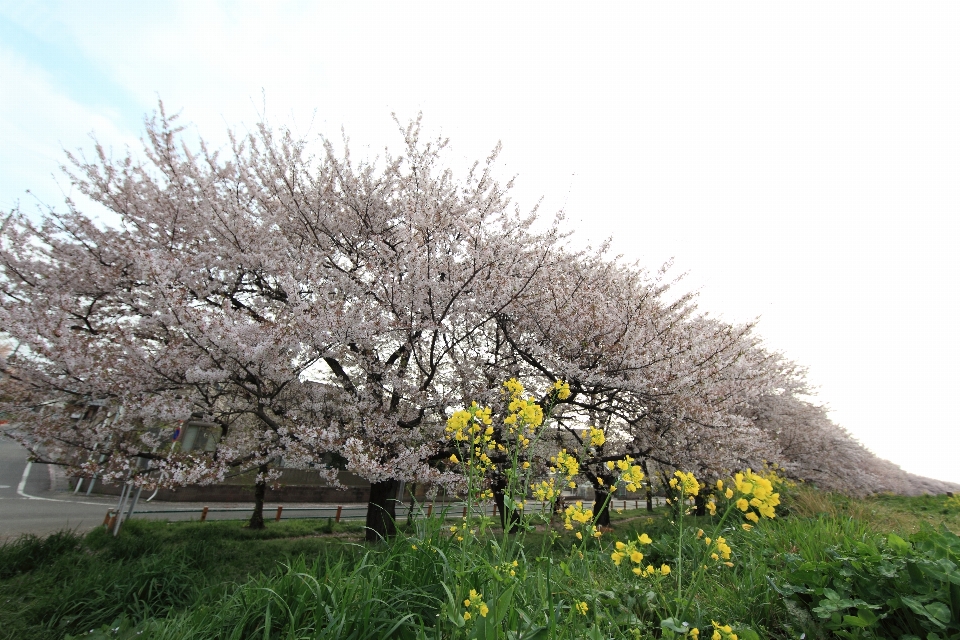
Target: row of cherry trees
column 329, row 313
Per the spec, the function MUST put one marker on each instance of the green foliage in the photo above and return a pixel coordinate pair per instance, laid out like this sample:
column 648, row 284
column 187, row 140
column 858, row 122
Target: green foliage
column 69, row 584
column 826, row 576
column 882, row 589
column 29, row 552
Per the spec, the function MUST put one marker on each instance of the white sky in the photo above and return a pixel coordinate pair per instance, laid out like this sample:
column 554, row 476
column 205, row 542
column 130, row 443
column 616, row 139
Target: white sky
column 799, row 161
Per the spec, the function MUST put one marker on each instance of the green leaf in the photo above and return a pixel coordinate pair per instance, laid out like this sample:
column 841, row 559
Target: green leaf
column 672, row 625
column 856, row 621
column 594, row 634
column 898, row 544
column 939, row 611
column 503, row 605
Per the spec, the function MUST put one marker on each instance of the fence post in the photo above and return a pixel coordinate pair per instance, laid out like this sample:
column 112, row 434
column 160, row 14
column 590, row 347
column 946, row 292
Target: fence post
column 203, row 516
column 429, row 509
column 279, row 511
column 106, row 518
column 464, row 512
column 339, row 511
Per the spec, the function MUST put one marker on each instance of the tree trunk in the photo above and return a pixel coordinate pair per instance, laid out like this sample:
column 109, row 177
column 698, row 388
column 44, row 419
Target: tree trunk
column 259, row 492
column 508, row 520
column 646, row 472
column 701, row 505
column 601, row 506
column 382, row 511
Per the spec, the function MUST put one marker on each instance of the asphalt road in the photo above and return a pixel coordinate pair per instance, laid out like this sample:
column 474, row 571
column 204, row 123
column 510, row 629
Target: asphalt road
column 29, row 503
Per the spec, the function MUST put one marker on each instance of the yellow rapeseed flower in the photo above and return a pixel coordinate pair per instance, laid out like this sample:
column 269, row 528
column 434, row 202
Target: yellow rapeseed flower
column 688, row 483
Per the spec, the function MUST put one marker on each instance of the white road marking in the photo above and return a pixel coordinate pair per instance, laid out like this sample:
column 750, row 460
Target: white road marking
column 23, row 485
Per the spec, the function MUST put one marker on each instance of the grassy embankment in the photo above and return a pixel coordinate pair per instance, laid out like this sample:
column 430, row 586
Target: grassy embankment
column 826, row 566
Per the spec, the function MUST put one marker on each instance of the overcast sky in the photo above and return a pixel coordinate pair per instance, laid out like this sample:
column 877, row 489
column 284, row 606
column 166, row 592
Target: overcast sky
column 800, row 162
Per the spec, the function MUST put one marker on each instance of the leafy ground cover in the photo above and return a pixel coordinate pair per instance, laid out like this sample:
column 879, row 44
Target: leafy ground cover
column 830, row 567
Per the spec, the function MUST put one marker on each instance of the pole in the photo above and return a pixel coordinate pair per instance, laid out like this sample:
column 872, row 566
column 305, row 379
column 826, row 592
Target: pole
column 133, row 505
column 124, row 493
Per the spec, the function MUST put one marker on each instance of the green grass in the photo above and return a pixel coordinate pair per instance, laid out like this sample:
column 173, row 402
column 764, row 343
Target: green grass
column 315, row 579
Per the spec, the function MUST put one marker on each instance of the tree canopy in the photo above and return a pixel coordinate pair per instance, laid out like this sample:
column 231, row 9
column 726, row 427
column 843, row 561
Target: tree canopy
column 330, row 313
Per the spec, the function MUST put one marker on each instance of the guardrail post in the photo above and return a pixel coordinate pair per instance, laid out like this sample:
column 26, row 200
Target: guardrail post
column 339, row 511
column 279, row 511
column 203, row 516
column 106, row 518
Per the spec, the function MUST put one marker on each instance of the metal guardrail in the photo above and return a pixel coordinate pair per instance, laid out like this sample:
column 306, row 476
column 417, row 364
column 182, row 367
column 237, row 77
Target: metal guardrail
column 340, row 513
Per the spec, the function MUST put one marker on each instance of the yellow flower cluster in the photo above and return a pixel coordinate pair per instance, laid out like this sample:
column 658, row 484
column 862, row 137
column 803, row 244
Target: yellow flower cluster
column 722, row 631
column 582, row 608
column 561, row 389
column 514, row 388
column 566, row 465
column 475, row 602
column 686, row 483
column 632, row 551
column 525, row 412
column 545, row 491
column 576, row 513
column 472, row 426
column 596, row 437
column 755, row 491
column 650, row 570
column 630, row 474
column 507, row 568
column 717, row 548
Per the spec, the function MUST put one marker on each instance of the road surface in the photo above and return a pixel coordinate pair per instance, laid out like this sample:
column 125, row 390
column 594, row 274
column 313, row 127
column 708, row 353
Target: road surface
column 29, row 502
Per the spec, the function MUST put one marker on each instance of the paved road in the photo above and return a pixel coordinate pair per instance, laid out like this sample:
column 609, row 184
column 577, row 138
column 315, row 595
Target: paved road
column 29, row 505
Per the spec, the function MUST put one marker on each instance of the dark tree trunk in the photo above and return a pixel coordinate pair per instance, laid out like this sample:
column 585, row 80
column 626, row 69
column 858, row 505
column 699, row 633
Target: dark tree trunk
column 649, row 484
column 382, row 511
column 412, row 490
column 601, row 506
column 259, row 492
column 700, row 504
column 509, row 520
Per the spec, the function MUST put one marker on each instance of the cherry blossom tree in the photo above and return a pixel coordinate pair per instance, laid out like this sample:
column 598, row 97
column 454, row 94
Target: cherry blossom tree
column 657, row 380
column 307, row 306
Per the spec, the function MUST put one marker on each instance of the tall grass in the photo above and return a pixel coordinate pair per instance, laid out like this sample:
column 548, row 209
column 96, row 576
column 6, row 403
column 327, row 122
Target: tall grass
column 294, row 580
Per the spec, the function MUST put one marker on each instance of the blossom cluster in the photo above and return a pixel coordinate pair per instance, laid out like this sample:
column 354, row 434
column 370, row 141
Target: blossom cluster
column 630, row 474
column 475, row 604
column 756, row 495
column 631, row 550
column 718, row 549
